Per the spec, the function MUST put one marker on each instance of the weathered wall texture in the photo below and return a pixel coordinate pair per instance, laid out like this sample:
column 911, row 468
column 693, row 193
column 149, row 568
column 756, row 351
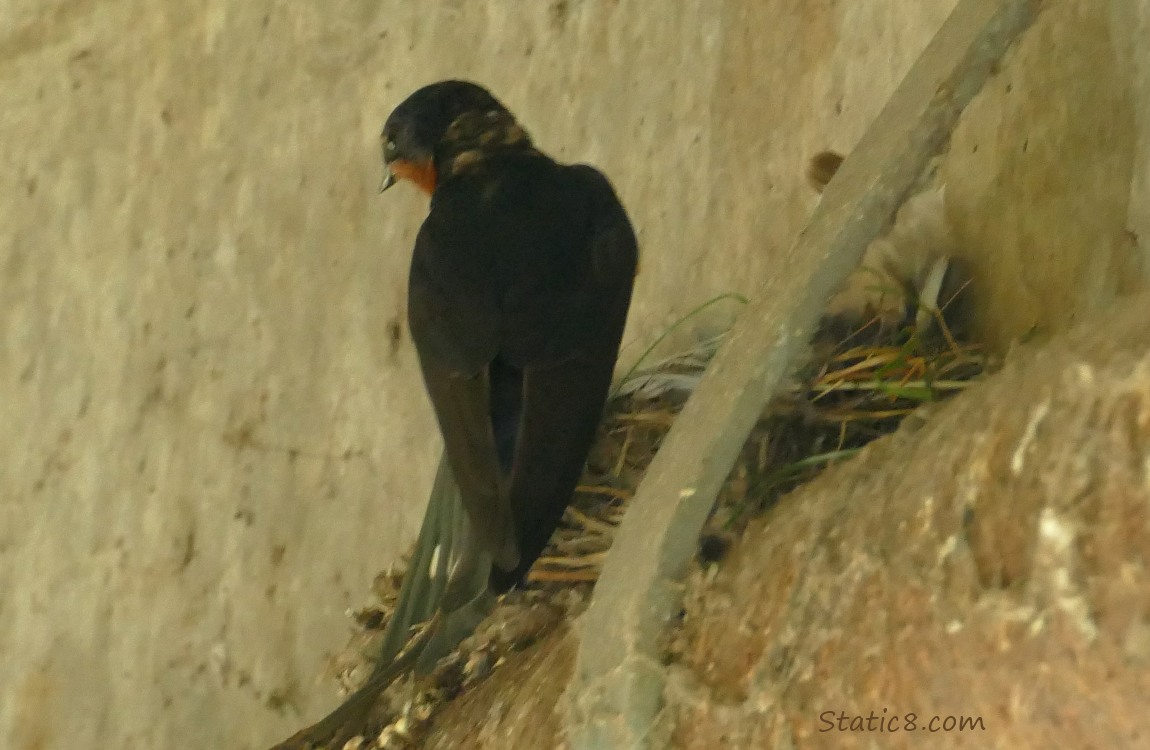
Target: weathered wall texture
column 991, row 564
column 1130, row 27
column 1040, row 170
column 213, row 428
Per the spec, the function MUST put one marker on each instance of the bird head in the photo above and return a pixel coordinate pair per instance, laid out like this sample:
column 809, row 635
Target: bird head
column 441, row 129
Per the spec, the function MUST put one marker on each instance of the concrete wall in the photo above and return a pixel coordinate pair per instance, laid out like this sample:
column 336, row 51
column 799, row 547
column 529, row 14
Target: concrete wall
column 1040, row 171
column 214, row 433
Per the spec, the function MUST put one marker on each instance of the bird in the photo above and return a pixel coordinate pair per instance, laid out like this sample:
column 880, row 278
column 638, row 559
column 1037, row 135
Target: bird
column 912, row 276
column 520, row 283
column 519, row 287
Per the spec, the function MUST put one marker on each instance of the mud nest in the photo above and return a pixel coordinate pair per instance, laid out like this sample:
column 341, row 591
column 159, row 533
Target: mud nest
column 855, row 387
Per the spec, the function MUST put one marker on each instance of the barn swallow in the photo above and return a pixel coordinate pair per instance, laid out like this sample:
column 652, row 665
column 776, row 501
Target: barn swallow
column 520, row 282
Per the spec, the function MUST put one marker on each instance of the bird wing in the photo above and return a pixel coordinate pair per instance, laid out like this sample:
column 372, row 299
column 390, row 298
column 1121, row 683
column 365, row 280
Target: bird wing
column 562, row 401
column 462, row 407
column 562, row 408
column 519, row 292
column 453, row 314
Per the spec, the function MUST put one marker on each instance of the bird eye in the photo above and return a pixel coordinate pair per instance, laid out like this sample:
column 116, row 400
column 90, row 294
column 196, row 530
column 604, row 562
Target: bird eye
column 389, row 146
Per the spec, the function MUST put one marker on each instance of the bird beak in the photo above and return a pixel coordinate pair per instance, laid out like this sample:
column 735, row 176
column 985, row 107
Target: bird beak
column 388, row 180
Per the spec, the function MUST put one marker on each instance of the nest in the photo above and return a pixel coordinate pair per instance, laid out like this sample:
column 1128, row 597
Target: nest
column 854, row 389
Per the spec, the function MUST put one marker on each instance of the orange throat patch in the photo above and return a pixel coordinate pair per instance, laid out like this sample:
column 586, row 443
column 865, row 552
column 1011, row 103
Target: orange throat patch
column 420, row 173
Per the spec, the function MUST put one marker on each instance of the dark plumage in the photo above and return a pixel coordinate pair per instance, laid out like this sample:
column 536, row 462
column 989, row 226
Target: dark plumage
column 520, row 283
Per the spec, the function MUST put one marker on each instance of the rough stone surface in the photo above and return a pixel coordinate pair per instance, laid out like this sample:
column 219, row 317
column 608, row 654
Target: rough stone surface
column 986, row 562
column 516, row 706
column 989, row 563
column 213, row 428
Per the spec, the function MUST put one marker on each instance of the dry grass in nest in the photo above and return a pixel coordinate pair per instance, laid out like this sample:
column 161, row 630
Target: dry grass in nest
column 850, row 394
